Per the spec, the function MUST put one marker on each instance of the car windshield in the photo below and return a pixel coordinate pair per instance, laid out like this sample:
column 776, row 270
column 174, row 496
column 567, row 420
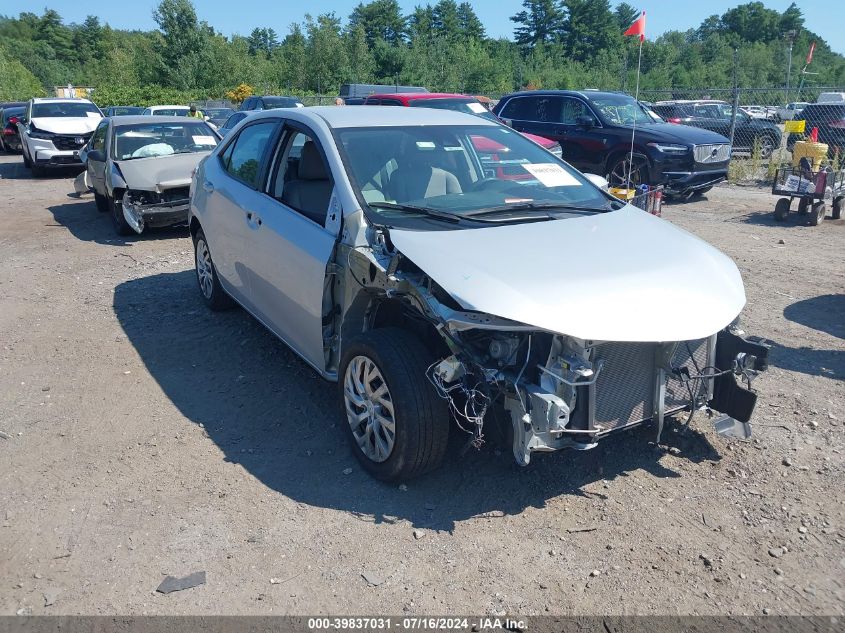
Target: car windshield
column 65, row 109
column 218, row 113
column 170, row 112
column 463, row 173
column 271, row 103
column 622, row 110
column 469, row 106
column 124, row 110
column 146, row 140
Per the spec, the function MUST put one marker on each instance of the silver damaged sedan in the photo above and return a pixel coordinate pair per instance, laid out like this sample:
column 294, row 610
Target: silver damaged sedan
column 451, row 276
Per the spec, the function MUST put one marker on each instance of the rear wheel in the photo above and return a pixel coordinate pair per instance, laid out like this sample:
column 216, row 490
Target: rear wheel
column 836, row 211
column 209, row 284
column 121, row 227
column 817, row 213
column 782, row 209
column 397, row 424
column 803, row 204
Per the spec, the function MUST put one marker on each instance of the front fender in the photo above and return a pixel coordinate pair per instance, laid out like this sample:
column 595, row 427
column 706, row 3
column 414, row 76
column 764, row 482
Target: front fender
column 115, row 179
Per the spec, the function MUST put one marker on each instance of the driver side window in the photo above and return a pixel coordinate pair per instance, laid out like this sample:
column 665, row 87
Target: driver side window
column 98, row 140
column 301, row 177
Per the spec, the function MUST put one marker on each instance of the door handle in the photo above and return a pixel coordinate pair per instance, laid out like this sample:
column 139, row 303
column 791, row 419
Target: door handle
column 208, row 186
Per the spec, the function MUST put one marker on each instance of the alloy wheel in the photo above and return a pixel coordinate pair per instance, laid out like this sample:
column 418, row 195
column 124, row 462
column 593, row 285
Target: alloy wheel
column 204, row 269
column 369, row 409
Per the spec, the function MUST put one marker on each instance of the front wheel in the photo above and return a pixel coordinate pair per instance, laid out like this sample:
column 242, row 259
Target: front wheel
column 782, row 209
column 121, row 226
column 102, row 203
column 836, row 211
column 397, row 424
column 624, row 171
column 209, row 284
column 767, row 146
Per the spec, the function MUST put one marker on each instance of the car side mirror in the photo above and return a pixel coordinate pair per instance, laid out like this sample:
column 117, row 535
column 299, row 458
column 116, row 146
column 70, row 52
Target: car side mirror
column 585, row 121
column 97, row 155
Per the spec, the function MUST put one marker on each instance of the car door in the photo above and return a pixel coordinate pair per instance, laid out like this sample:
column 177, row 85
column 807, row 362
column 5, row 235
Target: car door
column 230, row 185
column 534, row 114
column 583, row 145
column 97, row 168
column 290, row 244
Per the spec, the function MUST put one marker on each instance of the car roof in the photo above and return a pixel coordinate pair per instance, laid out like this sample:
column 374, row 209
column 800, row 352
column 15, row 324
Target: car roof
column 60, row 100
column 167, row 106
column 135, row 119
column 688, row 101
column 585, row 94
column 416, row 96
column 377, row 116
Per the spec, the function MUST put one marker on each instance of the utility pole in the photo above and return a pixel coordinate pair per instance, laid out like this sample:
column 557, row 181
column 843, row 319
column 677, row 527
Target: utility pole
column 735, row 96
column 790, row 36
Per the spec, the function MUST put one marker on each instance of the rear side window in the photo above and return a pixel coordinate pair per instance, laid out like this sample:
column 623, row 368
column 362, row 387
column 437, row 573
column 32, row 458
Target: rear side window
column 243, row 158
column 521, row 109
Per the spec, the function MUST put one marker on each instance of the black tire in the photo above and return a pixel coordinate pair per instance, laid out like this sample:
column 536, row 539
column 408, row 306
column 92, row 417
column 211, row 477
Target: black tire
column 817, row 213
column 836, row 211
column 618, row 171
column 421, row 417
column 782, row 209
column 698, row 193
column 121, row 226
column 102, row 203
column 216, row 299
column 803, row 205
column 768, row 145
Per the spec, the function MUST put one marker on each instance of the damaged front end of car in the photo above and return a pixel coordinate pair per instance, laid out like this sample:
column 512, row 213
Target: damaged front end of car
column 164, row 207
column 549, row 390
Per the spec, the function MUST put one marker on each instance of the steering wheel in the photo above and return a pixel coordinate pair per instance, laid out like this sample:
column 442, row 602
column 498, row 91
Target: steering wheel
column 490, row 184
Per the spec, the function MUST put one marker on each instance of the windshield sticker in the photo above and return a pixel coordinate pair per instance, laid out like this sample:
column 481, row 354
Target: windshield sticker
column 518, row 200
column 454, row 149
column 477, row 108
column 203, row 140
column 551, row 175
column 425, row 144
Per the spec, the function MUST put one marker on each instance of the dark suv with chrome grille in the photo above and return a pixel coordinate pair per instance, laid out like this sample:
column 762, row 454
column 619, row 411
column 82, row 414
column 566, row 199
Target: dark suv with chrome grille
column 594, row 130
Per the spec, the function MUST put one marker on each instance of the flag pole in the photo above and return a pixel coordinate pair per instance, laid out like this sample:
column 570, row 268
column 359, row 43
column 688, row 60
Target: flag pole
column 634, row 126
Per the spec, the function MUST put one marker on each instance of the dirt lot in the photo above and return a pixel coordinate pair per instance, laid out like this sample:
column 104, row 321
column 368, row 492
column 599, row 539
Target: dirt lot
column 145, row 436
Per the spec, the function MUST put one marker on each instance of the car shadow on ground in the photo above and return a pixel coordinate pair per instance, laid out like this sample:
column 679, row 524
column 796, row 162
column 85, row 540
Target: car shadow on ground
column 823, row 313
column 16, row 171
column 84, row 222
column 272, row 414
column 767, row 218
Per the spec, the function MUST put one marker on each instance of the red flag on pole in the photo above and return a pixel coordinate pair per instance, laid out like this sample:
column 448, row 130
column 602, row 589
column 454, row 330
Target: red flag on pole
column 637, row 28
column 810, row 54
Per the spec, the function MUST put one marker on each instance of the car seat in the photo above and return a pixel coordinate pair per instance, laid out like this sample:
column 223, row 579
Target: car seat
column 311, row 190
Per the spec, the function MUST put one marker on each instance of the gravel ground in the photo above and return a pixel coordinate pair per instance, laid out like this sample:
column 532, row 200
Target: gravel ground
column 143, row 436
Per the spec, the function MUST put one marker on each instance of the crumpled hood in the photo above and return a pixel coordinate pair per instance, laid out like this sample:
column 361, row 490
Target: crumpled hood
column 67, row 124
column 677, row 133
column 158, row 173
column 620, row 276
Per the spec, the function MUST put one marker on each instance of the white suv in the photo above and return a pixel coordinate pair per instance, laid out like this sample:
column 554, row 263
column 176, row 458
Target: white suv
column 54, row 130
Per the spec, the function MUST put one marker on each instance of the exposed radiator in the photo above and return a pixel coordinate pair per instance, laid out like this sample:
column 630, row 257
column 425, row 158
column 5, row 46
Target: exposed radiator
column 625, row 387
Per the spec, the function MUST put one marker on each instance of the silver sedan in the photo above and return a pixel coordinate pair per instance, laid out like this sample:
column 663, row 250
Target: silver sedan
column 451, row 275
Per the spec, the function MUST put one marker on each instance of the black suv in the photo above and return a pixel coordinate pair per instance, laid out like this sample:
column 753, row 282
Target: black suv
column 594, row 131
column 716, row 116
column 830, row 119
column 270, row 103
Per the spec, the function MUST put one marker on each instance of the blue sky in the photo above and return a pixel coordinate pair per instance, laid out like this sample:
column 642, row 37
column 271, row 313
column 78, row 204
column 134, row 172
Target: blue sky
column 229, row 17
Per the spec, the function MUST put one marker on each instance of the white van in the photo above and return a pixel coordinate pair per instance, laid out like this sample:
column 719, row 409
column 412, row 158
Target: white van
column 831, row 97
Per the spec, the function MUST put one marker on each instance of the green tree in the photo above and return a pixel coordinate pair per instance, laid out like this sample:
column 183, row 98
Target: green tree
column 469, row 23
column 381, row 20
column 539, row 23
column 588, row 28
column 182, row 46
